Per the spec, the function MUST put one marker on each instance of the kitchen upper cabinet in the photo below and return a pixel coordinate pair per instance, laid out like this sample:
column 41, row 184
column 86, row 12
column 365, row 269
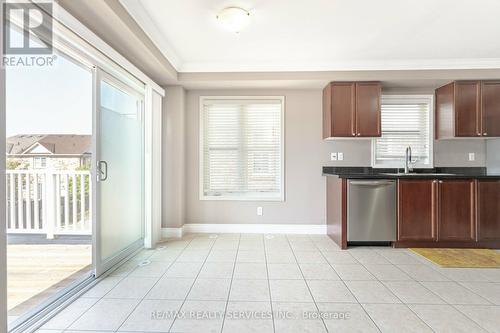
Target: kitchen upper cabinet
column 468, row 109
column 490, row 108
column 456, row 210
column 368, row 109
column 488, row 210
column 339, row 110
column 416, row 210
column 351, row 109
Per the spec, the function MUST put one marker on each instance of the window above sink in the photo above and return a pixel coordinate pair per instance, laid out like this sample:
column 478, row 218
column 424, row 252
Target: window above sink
column 407, row 120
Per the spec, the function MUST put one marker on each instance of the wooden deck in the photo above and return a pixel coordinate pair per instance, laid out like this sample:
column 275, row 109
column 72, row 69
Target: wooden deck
column 37, row 271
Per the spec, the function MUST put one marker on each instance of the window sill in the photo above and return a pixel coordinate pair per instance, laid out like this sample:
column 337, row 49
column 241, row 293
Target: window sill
column 240, row 198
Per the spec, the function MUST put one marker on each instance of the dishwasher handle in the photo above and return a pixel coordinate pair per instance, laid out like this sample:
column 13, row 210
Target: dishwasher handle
column 371, row 182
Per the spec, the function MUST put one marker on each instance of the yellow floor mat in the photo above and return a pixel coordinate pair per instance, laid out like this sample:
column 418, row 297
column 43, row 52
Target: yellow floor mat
column 463, row 258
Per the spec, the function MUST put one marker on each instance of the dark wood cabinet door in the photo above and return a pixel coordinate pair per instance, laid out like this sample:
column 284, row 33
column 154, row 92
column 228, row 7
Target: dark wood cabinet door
column 456, row 210
column 467, row 109
column 490, row 108
column 343, row 109
column 444, row 113
column 368, row 113
column 488, row 201
column 327, row 111
column 416, row 210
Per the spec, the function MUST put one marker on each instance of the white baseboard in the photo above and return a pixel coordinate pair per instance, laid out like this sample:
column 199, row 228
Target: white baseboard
column 311, row 229
column 171, row 232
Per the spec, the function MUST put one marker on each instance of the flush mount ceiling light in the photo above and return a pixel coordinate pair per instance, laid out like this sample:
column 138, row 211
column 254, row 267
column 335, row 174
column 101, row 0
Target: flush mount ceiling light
column 233, row 18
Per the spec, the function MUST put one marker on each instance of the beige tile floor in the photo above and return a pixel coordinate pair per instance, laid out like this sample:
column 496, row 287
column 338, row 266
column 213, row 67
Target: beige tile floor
column 283, row 283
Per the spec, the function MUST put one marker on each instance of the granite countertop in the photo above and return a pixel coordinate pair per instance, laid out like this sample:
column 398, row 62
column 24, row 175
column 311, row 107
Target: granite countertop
column 436, row 173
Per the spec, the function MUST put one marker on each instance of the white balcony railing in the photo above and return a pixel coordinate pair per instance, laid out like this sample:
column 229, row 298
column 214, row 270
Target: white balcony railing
column 51, row 202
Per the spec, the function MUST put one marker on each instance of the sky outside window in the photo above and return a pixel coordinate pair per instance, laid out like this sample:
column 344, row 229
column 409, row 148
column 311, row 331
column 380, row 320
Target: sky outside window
column 49, row 100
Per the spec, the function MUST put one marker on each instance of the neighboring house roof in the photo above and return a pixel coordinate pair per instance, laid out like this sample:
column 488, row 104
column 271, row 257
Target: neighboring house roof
column 49, row 144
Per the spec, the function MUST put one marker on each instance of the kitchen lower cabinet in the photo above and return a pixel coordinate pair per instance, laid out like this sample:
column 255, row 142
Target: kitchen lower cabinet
column 416, row 210
column 448, row 213
column 488, row 210
column 456, row 210
column 436, row 213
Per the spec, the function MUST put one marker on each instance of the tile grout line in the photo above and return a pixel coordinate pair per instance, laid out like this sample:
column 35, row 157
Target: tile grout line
column 269, row 283
column 394, row 294
column 98, row 298
column 435, row 269
column 455, row 306
column 305, row 281
column 230, row 284
column 149, row 290
column 357, row 300
column 322, row 253
column 194, row 281
column 102, row 297
column 468, row 317
column 460, row 283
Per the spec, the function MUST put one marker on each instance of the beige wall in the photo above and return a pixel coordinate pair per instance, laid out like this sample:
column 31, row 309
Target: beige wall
column 455, row 153
column 493, row 153
column 305, row 155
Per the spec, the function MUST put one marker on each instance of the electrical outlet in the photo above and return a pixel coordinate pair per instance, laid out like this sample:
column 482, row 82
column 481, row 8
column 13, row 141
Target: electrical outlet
column 333, row 156
column 260, row 211
column 340, row 156
column 472, row 156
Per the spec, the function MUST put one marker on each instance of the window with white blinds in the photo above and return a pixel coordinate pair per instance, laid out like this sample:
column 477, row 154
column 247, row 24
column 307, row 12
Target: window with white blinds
column 241, row 148
column 406, row 121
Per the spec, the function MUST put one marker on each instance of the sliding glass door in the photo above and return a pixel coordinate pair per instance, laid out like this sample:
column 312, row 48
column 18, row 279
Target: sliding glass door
column 75, row 171
column 118, row 144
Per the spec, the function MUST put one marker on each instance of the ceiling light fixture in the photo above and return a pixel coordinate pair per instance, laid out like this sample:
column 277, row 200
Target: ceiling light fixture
column 233, row 18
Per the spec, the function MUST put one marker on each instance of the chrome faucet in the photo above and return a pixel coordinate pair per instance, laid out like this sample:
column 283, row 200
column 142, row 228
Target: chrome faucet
column 408, row 168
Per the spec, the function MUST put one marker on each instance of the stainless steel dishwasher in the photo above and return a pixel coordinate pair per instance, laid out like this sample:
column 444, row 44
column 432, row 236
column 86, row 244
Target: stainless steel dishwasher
column 371, row 211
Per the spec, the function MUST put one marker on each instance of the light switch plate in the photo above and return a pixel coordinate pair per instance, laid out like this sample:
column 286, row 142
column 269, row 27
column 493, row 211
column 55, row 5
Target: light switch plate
column 333, row 156
column 340, row 156
column 260, row 211
column 472, row 156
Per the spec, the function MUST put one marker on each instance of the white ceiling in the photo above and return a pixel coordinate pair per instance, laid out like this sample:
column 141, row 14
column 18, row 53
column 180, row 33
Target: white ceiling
column 325, row 35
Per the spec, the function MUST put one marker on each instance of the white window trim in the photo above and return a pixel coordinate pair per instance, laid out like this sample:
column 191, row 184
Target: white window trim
column 257, row 196
column 394, row 98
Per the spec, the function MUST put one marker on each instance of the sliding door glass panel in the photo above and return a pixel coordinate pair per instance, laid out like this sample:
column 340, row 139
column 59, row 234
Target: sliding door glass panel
column 49, row 198
column 120, row 168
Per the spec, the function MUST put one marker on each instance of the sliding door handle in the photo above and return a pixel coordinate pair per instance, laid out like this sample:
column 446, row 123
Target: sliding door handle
column 102, row 169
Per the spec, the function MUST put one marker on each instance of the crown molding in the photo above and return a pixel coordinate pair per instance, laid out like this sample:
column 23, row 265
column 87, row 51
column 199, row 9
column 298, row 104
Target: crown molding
column 141, row 16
